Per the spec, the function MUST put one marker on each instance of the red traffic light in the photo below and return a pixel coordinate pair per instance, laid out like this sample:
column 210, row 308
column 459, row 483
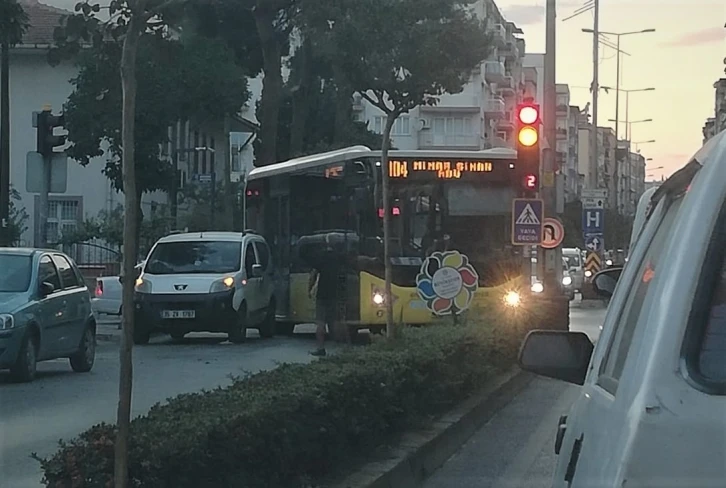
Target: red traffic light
column 530, row 181
column 528, row 114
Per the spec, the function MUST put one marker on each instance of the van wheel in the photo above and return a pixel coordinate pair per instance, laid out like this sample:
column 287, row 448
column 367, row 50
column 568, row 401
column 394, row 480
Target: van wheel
column 284, row 328
column 24, row 368
column 238, row 329
column 267, row 327
column 142, row 333
column 82, row 361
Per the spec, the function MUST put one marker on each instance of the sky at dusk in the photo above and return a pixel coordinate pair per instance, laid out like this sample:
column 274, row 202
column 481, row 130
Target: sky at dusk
column 681, row 60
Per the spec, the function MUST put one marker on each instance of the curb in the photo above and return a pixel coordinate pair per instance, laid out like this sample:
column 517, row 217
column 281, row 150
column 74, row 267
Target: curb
column 593, row 304
column 421, row 453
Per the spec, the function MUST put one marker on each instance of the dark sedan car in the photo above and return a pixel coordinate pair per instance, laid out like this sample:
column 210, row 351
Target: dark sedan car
column 45, row 312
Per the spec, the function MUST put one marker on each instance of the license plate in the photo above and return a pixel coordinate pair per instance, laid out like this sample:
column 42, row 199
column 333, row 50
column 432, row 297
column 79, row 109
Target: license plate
column 178, row 314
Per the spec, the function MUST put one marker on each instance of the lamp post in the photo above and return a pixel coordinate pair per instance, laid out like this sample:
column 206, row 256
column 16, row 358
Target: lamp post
column 618, row 35
column 629, row 125
column 627, row 103
column 636, row 144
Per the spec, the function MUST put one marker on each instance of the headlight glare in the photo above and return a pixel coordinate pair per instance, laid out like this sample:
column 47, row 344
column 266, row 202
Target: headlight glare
column 537, row 288
column 378, row 298
column 588, row 273
column 142, row 285
column 567, row 280
column 222, row 285
column 512, row 299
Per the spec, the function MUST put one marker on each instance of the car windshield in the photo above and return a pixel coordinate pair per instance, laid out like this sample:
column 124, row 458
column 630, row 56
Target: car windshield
column 195, row 257
column 16, row 273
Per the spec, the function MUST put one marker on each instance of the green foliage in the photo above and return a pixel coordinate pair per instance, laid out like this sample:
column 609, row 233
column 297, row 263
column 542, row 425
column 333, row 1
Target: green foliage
column 297, row 422
column 398, row 53
column 18, row 218
column 13, row 22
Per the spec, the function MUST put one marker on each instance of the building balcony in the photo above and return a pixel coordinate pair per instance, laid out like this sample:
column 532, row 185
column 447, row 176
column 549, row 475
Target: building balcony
column 495, row 107
column 506, row 122
column 499, row 34
column 494, row 71
column 507, row 87
column 429, row 140
column 561, row 133
column 562, row 109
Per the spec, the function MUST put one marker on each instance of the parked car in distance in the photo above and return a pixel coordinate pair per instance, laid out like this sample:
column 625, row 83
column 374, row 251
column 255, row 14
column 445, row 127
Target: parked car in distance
column 107, row 294
column 45, row 312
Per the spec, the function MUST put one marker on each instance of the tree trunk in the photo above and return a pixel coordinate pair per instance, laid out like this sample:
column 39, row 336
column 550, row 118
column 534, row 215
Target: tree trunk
column 388, row 272
column 301, row 101
column 271, row 85
column 128, row 82
column 5, row 239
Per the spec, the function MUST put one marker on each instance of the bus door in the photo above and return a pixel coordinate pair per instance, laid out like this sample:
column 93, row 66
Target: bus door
column 278, row 234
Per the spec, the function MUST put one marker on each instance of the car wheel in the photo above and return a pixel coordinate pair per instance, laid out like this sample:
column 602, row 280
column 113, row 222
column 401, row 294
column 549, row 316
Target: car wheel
column 238, row 329
column 267, row 327
column 82, row 361
column 25, row 367
column 142, row 333
column 178, row 336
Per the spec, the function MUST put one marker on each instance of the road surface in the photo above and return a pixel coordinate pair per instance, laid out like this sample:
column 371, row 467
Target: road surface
column 60, row 404
column 515, row 449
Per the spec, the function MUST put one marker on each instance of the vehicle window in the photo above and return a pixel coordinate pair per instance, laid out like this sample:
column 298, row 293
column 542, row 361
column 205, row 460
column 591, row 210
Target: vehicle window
column 47, row 273
column 16, row 273
column 264, row 253
column 67, row 275
column 573, row 260
column 614, row 360
column 712, row 353
column 250, row 259
column 195, row 257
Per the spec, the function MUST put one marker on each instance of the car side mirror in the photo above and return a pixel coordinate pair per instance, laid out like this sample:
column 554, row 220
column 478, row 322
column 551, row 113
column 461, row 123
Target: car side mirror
column 557, row 354
column 257, row 270
column 46, row 289
column 605, row 281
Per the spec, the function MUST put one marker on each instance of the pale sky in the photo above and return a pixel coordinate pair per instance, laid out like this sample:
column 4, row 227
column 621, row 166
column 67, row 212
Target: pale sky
column 681, row 60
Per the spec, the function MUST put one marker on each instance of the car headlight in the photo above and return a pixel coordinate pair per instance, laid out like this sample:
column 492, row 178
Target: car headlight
column 226, row 283
column 567, row 280
column 588, row 273
column 378, row 298
column 142, row 285
column 537, row 288
column 6, row 321
column 609, row 262
column 512, row 299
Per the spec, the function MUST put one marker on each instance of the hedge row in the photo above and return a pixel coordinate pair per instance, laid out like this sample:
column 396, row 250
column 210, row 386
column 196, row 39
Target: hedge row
column 296, row 423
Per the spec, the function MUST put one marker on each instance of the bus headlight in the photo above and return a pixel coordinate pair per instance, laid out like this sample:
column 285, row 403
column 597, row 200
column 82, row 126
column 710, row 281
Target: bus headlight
column 567, row 280
column 378, row 298
column 588, row 273
column 512, row 299
column 537, row 288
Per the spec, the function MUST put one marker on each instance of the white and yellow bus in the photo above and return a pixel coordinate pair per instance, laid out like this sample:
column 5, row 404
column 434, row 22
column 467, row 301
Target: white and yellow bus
column 457, row 199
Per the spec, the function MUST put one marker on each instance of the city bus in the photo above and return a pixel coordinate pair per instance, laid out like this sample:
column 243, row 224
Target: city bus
column 332, row 202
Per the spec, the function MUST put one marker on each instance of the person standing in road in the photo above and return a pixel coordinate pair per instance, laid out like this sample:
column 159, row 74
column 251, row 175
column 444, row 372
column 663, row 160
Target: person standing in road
column 323, row 286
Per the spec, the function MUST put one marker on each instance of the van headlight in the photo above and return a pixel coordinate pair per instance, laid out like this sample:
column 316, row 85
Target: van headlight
column 219, row 286
column 6, row 321
column 512, row 299
column 378, row 298
column 142, row 285
column 609, row 262
column 567, row 280
column 537, row 288
column 588, row 273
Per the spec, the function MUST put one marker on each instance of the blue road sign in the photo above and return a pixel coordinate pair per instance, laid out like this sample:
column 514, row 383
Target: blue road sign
column 527, row 217
column 593, row 220
column 594, row 243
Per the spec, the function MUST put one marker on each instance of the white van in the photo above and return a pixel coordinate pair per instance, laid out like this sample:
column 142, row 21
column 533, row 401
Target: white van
column 652, row 406
column 206, row 282
column 576, row 266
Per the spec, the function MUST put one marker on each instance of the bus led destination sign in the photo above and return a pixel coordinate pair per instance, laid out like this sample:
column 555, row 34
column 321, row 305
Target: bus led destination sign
column 442, row 169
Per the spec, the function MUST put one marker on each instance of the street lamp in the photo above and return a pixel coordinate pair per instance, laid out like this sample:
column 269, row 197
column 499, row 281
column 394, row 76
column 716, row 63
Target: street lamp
column 627, row 103
column 617, row 88
column 636, row 144
column 629, row 125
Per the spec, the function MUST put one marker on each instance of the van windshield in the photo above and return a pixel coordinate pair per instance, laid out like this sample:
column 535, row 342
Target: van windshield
column 195, row 257
column 573, row 260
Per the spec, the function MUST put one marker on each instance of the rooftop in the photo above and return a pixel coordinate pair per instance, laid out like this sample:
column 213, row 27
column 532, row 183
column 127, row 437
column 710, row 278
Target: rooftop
column 43, row 21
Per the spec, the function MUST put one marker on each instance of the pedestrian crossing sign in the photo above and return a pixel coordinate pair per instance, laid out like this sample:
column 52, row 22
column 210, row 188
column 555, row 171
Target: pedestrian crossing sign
column 527, row 218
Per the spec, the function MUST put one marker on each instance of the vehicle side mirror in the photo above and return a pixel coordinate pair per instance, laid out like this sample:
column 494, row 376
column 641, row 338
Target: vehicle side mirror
column 46, row 289
column 605, row 281
column 557, row 354
column 257, row 270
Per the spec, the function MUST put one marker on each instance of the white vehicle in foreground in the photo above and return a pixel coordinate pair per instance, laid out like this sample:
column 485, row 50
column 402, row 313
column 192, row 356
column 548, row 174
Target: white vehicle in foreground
column 651, row 407
column 206, row 282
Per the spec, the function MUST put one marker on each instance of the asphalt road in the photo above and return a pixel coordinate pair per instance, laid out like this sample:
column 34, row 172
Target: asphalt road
column 60, row 404
column 515, row 449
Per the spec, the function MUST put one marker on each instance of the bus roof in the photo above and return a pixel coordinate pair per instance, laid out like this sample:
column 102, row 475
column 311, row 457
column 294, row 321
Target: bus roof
column 357, row 152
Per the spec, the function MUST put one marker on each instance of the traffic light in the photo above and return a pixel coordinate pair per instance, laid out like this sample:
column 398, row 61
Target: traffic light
column 528, row 150
column 47, row 141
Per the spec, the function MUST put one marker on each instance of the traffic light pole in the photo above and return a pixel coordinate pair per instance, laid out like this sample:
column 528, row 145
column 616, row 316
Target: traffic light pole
column 44, row 204
column 46, row 142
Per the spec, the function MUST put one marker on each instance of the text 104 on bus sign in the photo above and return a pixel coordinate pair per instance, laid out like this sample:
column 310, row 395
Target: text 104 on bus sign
column 445, row 170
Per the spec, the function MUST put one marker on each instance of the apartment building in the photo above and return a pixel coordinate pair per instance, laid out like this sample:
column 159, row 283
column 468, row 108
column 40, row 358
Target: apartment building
column 482, row 115
column 631, row 177
column 717, row 123
column 606, row 145
column 567, row 145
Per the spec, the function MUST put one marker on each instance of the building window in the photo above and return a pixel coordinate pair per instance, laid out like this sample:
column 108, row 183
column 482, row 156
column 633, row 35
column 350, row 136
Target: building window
column 453, row 126
column 236, row 153
column 401, row 127
column 63, row 218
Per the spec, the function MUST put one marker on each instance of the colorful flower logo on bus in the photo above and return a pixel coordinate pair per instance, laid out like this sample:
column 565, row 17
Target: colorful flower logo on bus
column 447, row 282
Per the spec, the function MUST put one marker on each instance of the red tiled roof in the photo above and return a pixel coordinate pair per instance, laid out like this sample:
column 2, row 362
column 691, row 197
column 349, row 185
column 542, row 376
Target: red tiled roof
column 43, row 21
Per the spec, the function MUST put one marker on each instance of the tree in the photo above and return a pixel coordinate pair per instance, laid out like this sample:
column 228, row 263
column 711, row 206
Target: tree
column 13, row 24
column 18, row 219
column 130, row 23
column 398, row 54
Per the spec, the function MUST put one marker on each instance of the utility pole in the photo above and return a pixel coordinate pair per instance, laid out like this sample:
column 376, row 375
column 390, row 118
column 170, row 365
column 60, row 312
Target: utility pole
column 5, row 146
column 595, row 89
column 550, row 258
column 616, row 169
column 46, row 142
